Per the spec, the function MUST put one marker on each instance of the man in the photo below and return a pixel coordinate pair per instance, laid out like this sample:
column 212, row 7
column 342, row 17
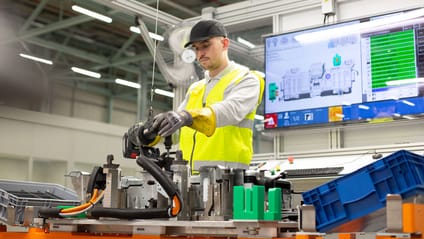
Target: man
column 219, row 110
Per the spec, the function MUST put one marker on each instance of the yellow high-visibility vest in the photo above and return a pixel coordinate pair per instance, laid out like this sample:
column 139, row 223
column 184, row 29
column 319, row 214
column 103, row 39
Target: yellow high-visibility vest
column 229, row 144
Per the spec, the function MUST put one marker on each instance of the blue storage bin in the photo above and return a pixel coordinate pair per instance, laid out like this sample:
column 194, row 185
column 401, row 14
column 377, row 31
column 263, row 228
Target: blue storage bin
column 364, row 191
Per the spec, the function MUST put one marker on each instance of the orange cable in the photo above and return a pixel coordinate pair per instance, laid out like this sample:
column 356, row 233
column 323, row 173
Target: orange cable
column 82, row 206
column 177, row 206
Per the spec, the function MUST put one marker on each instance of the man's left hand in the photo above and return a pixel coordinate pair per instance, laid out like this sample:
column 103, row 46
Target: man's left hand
column 169, row 122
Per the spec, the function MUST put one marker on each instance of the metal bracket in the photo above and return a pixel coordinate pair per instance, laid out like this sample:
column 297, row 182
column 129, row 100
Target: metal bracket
column 307, row 218
column 394, row 213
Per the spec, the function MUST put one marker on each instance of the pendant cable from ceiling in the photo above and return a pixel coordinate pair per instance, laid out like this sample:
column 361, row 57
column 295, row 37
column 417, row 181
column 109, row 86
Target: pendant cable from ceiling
column 154, row 58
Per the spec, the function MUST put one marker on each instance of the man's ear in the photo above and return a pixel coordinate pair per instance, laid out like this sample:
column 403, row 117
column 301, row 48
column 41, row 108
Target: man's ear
column 226, row 42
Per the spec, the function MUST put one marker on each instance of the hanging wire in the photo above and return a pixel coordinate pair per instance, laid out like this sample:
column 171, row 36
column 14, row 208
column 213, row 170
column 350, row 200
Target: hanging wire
column 154, row 54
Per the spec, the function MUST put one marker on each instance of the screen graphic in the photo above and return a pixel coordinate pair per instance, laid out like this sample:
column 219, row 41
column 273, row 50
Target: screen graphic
column 354, row 71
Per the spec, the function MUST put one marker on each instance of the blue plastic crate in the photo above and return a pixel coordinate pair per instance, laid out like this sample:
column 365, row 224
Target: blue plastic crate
column 364, row 191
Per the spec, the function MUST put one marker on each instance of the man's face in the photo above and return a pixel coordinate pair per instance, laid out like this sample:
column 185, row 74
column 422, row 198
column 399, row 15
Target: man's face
column 209, row 53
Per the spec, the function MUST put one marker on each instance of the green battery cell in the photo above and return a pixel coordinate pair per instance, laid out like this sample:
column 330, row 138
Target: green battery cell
column 273, row 91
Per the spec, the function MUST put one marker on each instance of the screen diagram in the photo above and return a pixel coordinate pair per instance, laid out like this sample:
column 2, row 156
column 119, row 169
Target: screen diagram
column 349, row 72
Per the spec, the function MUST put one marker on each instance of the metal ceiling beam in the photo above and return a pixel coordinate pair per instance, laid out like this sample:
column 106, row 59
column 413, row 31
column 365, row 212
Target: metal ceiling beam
column 125, row 46
column 258, row 53
column 59, row 53
column 143, row 10
column 50, row 28
column 124, row 60
column 34, row 15
column 181, row 8
column 102, row 91
column 54, row 27
column 128, row 96
column 245, row 53
column 86, row 79
column 90, row 56
column 78, row 53
column 174, row 5
column 248, row 11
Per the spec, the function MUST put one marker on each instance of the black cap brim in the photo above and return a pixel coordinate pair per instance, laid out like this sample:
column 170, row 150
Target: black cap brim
column 196, row 40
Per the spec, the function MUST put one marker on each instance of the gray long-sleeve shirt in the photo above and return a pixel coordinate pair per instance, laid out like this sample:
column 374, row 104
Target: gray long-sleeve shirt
column 239, row 99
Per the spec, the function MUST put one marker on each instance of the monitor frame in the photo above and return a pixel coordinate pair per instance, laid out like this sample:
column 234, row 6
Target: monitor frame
column 345, row 112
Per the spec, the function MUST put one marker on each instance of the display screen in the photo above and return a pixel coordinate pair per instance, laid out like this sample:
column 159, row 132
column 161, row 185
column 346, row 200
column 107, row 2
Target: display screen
column 356, row 71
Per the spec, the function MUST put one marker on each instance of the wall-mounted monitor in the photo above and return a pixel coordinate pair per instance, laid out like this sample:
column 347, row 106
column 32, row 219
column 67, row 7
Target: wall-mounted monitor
column 356, row 71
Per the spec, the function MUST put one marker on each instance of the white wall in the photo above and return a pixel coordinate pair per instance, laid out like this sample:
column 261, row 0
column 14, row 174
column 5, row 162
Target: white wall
column 72, row 102
column 43, row 147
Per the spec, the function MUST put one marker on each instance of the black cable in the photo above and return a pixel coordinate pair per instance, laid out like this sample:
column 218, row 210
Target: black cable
column 49, row 212
column 149, row 164
column 125, row 213
column 192, row 152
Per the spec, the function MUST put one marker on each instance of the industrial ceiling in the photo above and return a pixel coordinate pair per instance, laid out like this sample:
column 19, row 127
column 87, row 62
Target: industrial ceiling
column 51, row 29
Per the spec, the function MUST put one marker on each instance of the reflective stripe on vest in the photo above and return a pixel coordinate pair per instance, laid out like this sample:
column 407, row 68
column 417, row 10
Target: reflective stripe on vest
column 229, row 145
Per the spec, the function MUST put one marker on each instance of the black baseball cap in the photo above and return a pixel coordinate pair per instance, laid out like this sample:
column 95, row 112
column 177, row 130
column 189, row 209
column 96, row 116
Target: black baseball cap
column 206, row 29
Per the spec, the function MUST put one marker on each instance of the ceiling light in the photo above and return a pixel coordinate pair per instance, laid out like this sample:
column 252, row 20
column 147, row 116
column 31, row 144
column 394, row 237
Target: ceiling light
column 127, row 83
column 164, row 93
column 135, row 29
column 86, row 72
column 245, row 42
column 156, row 36
column 151, row 34
column 91, row 14
column 45, row 61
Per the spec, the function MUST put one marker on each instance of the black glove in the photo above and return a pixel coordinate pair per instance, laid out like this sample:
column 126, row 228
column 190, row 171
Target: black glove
column 169, row 122
column 133, row 133
column 138, row 134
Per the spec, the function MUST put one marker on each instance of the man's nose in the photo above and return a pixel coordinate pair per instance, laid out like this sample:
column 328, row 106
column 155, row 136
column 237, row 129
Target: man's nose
column 200, row 53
